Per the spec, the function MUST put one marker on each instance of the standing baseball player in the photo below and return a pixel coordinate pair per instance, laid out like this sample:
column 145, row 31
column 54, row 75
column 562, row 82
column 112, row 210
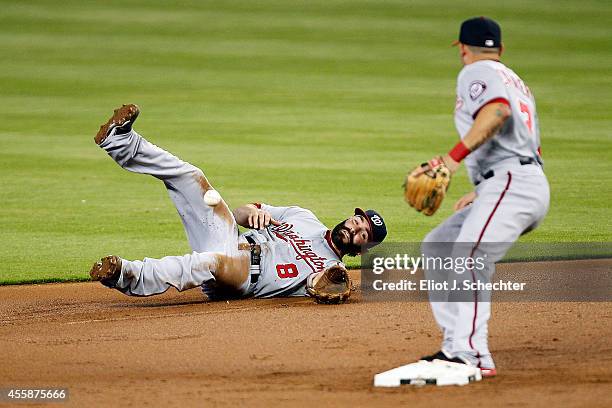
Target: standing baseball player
column 495, row 115
column 286, row 251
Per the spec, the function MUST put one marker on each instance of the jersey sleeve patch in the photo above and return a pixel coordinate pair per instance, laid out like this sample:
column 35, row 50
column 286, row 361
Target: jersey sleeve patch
column 476, row 89
column 477, row 84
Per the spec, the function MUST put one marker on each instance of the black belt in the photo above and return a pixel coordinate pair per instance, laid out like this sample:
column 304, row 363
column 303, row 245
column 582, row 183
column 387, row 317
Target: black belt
column 255, row 259
column 522, row 160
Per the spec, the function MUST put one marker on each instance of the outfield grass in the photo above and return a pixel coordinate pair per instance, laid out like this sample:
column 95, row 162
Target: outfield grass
column 324, row 104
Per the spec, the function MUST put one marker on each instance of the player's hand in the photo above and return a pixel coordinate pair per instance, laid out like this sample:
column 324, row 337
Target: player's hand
column 431, row 164
column 260, row 219
column 465, row 200
column 451, row 163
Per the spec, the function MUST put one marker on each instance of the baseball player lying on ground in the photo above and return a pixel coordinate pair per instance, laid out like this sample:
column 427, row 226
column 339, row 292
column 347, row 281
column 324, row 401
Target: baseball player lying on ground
column 286, row 251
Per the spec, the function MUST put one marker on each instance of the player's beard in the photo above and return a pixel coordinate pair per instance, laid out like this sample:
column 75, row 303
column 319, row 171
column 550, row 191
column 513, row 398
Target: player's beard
column 345, row 248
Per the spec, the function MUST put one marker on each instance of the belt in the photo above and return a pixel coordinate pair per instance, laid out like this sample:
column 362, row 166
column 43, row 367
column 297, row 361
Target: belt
column 255, row 249
column 522, row 160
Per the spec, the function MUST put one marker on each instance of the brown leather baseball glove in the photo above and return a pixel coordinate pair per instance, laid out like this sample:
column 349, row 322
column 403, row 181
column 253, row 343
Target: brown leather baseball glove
column 426, row 186
column 331, row 286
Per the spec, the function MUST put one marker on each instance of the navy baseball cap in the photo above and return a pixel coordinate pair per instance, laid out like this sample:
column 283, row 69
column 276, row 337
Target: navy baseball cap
column 377, row 226
column 480, row 32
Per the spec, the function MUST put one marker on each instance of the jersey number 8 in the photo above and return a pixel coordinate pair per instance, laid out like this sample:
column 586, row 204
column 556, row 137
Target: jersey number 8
column 285, row 271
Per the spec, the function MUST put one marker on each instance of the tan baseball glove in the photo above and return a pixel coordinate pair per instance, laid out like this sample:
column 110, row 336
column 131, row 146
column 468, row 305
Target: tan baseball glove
column 331, row 286
column 426, row 186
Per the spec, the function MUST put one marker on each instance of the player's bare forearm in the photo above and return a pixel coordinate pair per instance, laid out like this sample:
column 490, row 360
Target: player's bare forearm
column 249, row 216
column 487, row 123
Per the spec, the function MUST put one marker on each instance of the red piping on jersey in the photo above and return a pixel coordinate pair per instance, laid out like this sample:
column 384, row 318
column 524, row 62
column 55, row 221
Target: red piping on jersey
column 496, row 100
column 331, row 245
column 501, row 197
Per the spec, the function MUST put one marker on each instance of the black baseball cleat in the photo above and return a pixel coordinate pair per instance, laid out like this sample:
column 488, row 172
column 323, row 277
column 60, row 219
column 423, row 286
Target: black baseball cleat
column 441, row 355
column 107, row 270
column 122, row 120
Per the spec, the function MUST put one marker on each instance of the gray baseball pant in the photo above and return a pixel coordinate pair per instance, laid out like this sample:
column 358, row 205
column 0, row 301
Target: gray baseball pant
column 212, row 231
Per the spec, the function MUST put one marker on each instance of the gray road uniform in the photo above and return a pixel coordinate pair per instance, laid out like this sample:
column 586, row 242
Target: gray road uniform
column 512, row 198
column 290, row 252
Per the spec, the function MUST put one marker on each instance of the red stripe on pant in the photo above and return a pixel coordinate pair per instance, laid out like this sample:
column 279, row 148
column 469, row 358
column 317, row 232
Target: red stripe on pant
column 501, row 197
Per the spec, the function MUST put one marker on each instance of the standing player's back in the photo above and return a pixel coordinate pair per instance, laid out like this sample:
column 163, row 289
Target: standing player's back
column 482, row 82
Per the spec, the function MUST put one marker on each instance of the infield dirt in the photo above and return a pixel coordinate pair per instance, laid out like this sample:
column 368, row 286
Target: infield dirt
column 179, row 350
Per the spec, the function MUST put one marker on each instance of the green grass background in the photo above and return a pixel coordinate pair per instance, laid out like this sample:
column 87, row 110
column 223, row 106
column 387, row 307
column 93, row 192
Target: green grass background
column 324, row 104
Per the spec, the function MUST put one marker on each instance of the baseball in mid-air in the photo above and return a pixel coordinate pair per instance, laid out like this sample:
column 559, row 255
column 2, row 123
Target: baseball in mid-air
column 212, row 197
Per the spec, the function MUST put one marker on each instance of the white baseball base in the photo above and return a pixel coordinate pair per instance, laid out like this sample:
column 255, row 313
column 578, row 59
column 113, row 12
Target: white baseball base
column 437, row 372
